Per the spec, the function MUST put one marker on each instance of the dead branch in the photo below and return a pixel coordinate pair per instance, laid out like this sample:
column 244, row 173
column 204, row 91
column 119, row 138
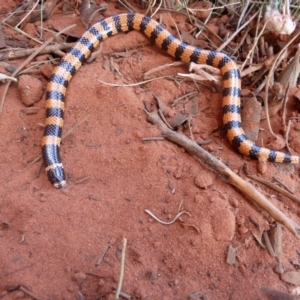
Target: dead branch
column 13, row 54
column 226, row 173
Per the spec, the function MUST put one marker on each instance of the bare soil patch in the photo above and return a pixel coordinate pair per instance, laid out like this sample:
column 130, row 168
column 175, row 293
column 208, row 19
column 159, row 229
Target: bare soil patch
column 50, row 240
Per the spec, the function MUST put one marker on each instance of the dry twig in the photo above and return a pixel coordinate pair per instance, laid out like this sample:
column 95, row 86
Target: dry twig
column 163, row 222
column 119, row 287
column 275, row 187
column 210, row 161
column 17, row 53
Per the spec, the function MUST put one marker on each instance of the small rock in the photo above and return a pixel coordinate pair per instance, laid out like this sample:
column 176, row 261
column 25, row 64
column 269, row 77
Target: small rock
column 242, row 230
column 204, row 179
column 233, row 202
column 177, row 174
column 279, row 269
column 79, row 278
column 242, row 269
column 223, row 229
column 31, row 89
column 42, row 57
column 240, row 220
column 46, row 70
column 101, row 282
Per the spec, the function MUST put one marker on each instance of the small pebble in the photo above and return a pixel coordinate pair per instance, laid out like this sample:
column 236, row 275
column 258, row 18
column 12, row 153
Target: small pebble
column 46, row 70
column 101, row 282
column 242, row 230
column 204, row 179
column 233, row 202
column 240, row 220
column 177, row 174
column 279, row 269
column 31, row 89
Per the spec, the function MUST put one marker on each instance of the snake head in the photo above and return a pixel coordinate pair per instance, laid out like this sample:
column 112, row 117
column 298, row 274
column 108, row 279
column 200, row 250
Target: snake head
column 56, row 175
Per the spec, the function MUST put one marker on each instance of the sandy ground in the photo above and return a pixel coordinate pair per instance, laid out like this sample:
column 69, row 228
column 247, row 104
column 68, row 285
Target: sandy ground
column 51, row 240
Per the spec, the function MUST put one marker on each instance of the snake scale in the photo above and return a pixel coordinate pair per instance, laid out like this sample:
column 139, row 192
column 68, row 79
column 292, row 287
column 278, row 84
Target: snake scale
column 72, row 61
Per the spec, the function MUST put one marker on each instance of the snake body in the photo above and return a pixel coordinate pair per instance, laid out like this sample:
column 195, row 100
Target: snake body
column 72, row 61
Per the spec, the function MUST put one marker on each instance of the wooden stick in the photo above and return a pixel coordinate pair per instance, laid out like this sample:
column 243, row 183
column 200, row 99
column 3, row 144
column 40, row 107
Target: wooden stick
column 119, row 287
column 13, row 54
column 210, row 161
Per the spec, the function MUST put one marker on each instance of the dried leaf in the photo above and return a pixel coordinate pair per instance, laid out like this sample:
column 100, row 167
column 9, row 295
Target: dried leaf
column 231, row 256
column 189, row 39
column 292, row 277
column 2, row 39
column 276, row 295
column 167, row 112
column 88, row 11
column 289, row 75
column 275, row 235
column 178, row 119
column 274, row 106
column 191, row 107
column 251, row 117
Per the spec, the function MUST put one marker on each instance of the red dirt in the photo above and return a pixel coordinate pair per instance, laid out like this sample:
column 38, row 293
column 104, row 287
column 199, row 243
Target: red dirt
column 55, row 237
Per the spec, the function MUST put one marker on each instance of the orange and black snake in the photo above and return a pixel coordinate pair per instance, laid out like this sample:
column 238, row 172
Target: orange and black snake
column 72, row 61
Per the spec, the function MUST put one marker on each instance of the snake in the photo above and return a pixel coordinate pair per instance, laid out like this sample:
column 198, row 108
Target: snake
column 73, row 60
